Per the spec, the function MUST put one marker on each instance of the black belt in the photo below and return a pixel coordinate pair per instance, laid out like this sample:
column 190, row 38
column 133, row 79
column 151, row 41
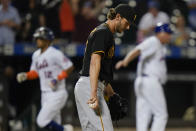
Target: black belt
column 144, row 75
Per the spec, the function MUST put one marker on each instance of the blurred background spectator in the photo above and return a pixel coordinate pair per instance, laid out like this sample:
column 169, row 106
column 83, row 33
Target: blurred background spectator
column 33, row 18
column 181, row 33
column 192, row 13
column 86, row 21
column 67, row 11
column 9, row 22
column 150, row 19
column 50, row 9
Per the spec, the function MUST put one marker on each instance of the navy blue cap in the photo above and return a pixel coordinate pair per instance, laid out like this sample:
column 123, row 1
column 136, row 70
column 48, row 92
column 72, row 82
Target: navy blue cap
column 163, row 28
column 153, row 4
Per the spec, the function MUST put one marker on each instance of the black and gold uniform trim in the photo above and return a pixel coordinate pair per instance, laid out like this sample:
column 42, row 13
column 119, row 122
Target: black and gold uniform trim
column 98, row 52
column 101, row 119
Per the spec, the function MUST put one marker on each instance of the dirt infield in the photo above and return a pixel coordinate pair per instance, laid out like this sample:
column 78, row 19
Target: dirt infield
column 132, row 129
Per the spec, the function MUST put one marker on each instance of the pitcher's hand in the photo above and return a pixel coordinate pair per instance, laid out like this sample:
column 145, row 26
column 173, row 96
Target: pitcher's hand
column 93, row 103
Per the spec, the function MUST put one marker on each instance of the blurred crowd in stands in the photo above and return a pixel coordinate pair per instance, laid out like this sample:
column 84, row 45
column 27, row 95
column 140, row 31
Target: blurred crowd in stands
column 72, row 20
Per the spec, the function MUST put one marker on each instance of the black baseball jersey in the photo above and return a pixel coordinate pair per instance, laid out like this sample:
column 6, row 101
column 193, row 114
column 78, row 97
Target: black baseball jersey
column 100, row 41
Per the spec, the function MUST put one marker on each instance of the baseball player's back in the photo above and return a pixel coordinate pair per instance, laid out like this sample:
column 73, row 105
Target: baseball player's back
column 151, row 74
column 152, row 59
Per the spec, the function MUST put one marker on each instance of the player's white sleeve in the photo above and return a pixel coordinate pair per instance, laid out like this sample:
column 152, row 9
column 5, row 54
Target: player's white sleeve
column 63, row 61
column 147, row 47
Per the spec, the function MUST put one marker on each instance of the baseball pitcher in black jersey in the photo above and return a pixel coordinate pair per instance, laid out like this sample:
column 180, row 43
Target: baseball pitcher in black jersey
column 97, row 70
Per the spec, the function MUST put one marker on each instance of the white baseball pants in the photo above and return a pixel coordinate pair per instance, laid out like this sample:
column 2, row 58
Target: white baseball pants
column 150, row 102
column 51, row 105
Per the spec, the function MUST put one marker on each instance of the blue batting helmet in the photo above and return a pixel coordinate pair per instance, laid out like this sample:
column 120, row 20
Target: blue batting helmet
column 43, row 33
column 163, row 28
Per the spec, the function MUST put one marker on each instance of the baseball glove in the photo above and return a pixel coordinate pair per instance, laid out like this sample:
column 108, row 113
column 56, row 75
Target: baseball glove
column 118, row 107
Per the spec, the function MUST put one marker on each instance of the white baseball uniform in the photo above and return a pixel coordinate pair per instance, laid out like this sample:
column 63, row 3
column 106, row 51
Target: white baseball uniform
column 49, row 65
column 151, row 74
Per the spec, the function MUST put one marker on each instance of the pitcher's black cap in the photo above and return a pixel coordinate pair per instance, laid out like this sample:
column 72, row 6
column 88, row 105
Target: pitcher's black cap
column 127, row 12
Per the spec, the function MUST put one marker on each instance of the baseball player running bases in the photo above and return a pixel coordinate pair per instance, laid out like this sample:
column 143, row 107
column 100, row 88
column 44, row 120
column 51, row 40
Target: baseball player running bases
column 151, row 74
column 52, row 67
